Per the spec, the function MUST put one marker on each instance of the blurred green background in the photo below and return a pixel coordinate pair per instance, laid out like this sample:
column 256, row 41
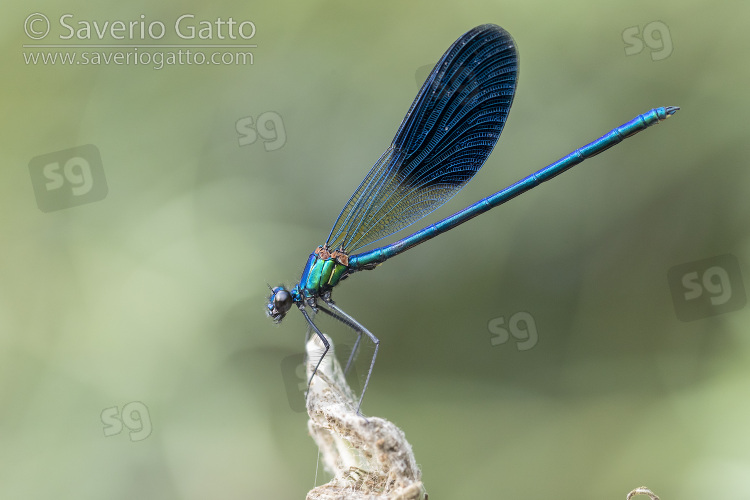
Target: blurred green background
column 136, row 360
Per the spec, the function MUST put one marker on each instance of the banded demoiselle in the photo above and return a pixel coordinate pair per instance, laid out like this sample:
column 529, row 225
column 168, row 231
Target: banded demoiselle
column 445, row 138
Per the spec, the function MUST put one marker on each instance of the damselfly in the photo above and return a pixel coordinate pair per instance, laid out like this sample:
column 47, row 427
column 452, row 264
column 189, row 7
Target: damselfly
column 445, row 138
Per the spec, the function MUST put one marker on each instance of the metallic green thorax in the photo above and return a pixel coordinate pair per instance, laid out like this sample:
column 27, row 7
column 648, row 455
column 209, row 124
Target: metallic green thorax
column 322, row 272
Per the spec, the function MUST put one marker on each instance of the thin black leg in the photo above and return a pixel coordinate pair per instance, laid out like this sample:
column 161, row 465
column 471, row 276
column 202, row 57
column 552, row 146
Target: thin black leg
column 322, row 338
column 353, row 354
column 355, row 325
column 308, row 333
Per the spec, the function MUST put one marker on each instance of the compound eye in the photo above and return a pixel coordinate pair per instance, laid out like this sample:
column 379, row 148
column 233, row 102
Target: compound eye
column 282, row 300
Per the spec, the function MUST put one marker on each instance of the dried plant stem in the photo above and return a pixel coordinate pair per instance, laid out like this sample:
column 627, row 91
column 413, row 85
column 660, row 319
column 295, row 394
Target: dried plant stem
column 642, row 490
column 369, row 458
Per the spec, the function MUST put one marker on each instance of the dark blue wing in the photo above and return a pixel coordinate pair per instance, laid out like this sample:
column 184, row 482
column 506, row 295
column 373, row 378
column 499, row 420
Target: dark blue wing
column 445, row 138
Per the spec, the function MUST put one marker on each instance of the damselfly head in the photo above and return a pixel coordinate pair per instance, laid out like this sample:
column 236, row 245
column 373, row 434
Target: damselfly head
column 279, row 303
